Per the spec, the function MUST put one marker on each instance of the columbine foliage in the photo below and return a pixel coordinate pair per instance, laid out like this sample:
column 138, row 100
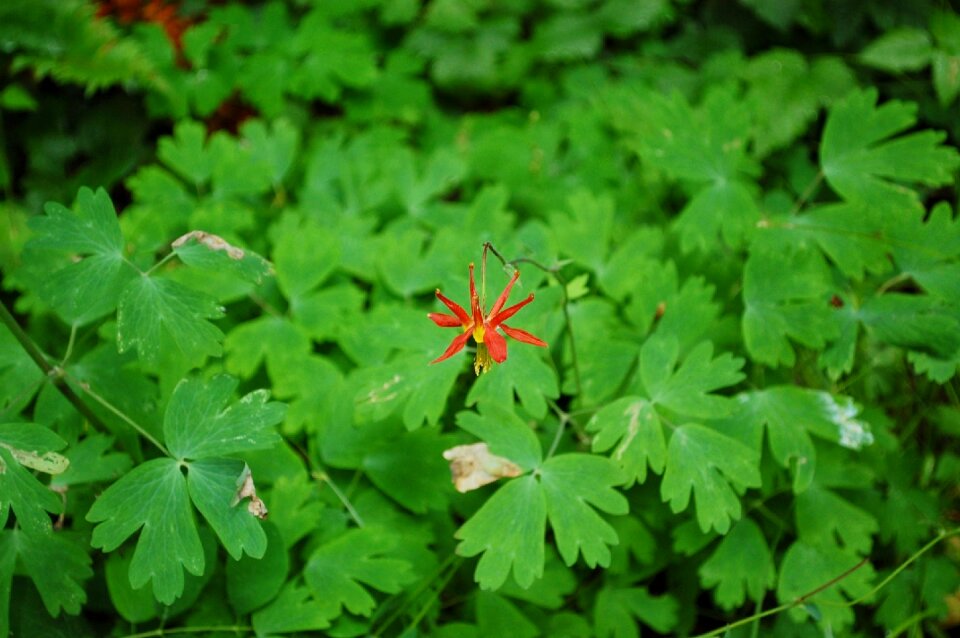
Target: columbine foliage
column 731, row 227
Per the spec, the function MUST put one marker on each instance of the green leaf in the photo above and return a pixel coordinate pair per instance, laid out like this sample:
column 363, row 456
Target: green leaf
column 375, row 335
column 805, row 568
column 57, row 565
column 505, row 433
column 407, row 382
column 786, row 295
column 712, row 466
column 689, row 314
column 898, row 50
column 199, row 249
column 525, row 375
column 787, row 408
column 789, row 412
column 92, row 461
column 785, row 90
column 573, row 485
column 617, row 609
column 133, row 605
column 304, row 254
column 685, row 391
column 90, row 285
column 162, row 318
column 296, row 381
column 238, row 171
column 823, row 516
column 199, row 423
column 725, row 208
column 442, row 171
column 293, row 511
column 275, row 339
column 33, row 447
column 497, row 616
column 850, row 235
column 411, row 469
column 8, row 561
column 585, row 233
column 928, row 251
column 20, row 377
column 403, row 263
column 19, row 488
column 549, row 592
column 253, row 582
column 294, row 610
column 633, row 426
column 946, row 77
column 213, row 485
column 152, row 496
column 187, row 154
column 324, row 313
column 706, row 146
column 567, row 36
column 337, row 571
column 277, row 147
column 333, row 58
column 859, row 159
column 740, row 565
column 508, row 530
column 605, row 357
column 918, row 322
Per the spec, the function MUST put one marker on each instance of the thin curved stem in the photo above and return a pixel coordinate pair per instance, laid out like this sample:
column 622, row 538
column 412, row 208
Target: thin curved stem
column 776, row 610
column 412, row 596
column 55, row 374
column 807, row 193
column 833, row 581
column 120, row 414
column 237, row 629
column 323, row 477
column 562, row 420
column 913, row 558
column 426, row 606
column 160, row 263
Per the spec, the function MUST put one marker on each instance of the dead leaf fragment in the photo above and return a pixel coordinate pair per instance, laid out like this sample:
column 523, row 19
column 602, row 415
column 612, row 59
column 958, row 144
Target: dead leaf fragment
column 473, row 466
column 245, row 489
column 213, row 242
column 48, row 462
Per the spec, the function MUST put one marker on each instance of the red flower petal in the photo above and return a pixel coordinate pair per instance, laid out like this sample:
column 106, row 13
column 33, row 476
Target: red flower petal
column 455, row 346
column 475, row 301
column 499, row 318
column 523, row 335
column 496, row 345
column 444, row 321
column 502, row 299
column 455, row 308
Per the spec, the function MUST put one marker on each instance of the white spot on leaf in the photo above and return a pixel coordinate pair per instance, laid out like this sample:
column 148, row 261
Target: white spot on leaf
column 852, row 433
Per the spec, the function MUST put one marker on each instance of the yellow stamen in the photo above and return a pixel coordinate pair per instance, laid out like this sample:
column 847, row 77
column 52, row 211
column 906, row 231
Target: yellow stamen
column 483, row 362
column 478, row 333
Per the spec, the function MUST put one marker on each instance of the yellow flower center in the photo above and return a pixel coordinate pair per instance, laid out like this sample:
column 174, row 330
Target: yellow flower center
column 478, row 333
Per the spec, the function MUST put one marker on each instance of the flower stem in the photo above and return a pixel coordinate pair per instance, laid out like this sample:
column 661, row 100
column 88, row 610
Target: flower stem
column 555, row 271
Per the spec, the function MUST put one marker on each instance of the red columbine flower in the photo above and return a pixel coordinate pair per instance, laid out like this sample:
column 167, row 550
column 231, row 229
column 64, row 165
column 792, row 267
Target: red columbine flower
column 491, row 346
